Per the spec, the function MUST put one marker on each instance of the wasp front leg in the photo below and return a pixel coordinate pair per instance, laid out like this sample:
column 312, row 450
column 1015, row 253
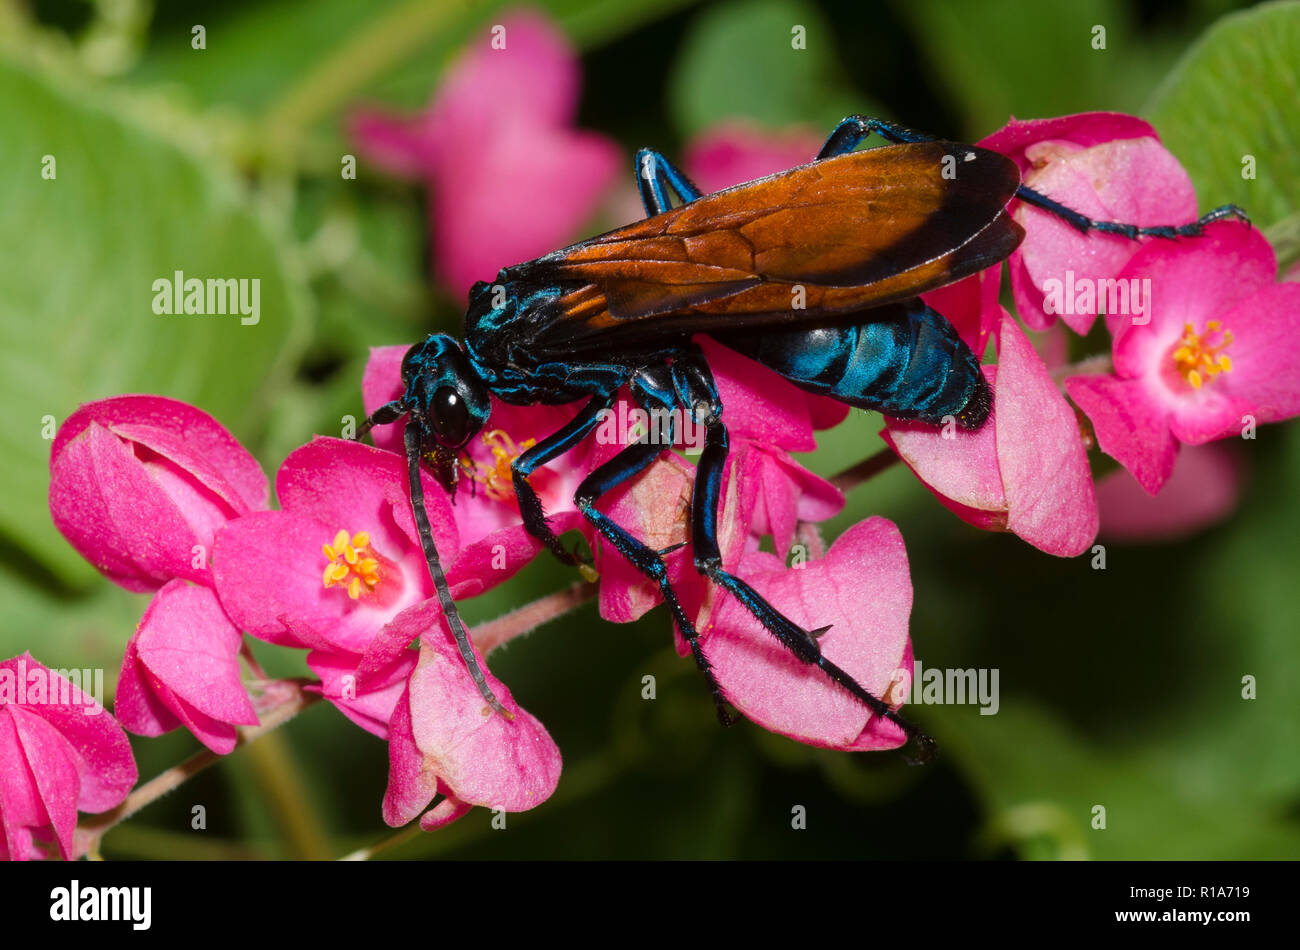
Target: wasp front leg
column 552, row 447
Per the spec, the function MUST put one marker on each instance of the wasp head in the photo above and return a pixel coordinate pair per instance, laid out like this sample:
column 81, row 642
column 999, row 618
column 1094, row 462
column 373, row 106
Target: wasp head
column 447, row 400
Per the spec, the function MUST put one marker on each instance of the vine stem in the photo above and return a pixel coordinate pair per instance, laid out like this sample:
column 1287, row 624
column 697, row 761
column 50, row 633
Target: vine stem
column 488, row 636
column 96, row 827
column 868, row 468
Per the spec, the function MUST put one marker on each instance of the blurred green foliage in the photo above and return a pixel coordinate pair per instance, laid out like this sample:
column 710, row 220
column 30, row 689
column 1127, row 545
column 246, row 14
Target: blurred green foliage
column 1119, row 688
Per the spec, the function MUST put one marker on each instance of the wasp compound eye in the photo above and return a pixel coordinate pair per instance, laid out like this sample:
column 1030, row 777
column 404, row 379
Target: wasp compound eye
column 450, row 417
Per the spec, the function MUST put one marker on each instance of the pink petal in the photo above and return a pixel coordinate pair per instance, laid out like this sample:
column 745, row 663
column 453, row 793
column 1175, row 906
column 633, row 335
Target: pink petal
column 526, row 68
column 514, row 196
column 862, row 587
column 368, row 703
column 269, row 575
column 135, row 704
column 187, row 436
column 382, row 383
column 189, row 648
column 1192, row 281
column 340, row 482
column 483, row 758
column 1134, row 181
column 1130, row 427
column 1050, row 498
column 499, row 556
column 133, row 521
column 105, row 763
column 1203, row 490
column 444, row 813
column 787, row 493
column 1265, row 352
column 959, row 466
column 509, row 180
column 1084, row 129
column 971, row 306
column 54, row 770
column 411, row 784
column 758, row 403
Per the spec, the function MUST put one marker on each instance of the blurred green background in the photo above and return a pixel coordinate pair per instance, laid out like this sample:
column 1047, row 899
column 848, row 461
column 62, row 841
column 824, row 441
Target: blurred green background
column 1119, row 688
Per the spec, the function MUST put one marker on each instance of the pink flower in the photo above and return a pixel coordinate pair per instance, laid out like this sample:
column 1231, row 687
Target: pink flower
column 60, row 753
column 509, row 178
column 337, row 567
column 1105, row 165
column 182, row 668
column 445, row 740
column 1220, row 354
column 863, row 589
column 1025, row 471
column 140, row 485
column 1202, row 491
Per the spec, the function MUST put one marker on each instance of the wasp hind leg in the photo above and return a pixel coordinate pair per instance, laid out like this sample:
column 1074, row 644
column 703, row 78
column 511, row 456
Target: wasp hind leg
column 695, row 389
column 849, row 134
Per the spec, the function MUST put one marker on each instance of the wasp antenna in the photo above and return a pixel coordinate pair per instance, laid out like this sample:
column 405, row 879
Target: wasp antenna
column 413, row 440
column 385, row 414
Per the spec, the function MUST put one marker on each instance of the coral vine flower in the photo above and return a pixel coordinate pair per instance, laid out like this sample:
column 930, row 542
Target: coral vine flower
column 444, row 740
column 509, row 178
column 339, row 567
column 140, row 485
column 1108, row 166
column 1220, row 354
column 182, row 668
column 60, row 753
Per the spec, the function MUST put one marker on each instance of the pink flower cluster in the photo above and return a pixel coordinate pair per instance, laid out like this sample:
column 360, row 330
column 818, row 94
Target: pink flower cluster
column 162, row 499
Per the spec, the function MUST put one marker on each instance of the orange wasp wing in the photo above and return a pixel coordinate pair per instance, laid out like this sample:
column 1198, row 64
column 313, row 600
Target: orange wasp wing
column 852, row 232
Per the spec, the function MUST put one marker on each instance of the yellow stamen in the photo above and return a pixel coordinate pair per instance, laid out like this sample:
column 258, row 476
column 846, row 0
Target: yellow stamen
column 351, row 562
column 495, row 476
column 1199, row 361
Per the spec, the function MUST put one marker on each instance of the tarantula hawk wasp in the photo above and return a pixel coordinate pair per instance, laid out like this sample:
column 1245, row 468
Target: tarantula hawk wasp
column 864, row 233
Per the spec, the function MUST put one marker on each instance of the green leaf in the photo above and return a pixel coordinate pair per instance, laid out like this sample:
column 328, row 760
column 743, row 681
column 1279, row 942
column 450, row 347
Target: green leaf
column 997, row 58
column 80, row 252
column 743, row 60
column 1235, row 95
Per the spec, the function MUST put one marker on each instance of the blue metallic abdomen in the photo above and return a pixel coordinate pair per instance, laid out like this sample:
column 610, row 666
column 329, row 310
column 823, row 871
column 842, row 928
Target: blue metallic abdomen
column 907, row 361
